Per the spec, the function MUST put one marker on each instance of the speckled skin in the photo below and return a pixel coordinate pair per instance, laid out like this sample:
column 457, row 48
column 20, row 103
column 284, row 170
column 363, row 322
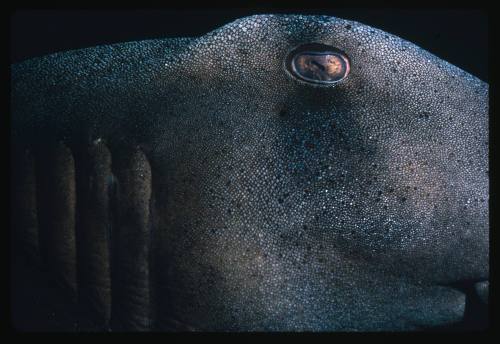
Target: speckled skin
column 278, row 204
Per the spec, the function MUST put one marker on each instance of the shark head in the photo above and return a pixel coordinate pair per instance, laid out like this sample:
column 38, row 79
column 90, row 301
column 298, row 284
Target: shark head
column 307, row 172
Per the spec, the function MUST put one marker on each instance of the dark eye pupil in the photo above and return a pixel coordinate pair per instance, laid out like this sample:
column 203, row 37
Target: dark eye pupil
column 318, row 64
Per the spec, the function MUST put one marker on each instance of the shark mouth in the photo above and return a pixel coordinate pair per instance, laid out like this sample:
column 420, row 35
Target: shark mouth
column 476, row 315
column 82, row 245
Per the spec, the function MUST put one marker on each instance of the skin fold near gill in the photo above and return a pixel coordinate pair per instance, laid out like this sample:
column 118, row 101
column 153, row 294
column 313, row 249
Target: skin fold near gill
column 281, row 173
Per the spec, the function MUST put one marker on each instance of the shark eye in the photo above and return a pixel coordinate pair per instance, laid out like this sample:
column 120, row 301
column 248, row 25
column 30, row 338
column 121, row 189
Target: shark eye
column 318, row 64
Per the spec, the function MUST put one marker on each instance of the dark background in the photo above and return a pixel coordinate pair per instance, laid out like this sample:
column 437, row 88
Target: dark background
column 459, row 36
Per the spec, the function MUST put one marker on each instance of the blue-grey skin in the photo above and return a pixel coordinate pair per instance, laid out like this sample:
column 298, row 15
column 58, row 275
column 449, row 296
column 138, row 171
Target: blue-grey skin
column 278, row 204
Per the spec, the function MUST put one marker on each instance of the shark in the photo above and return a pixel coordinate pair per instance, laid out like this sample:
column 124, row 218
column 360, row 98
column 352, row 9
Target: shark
column 280, row 173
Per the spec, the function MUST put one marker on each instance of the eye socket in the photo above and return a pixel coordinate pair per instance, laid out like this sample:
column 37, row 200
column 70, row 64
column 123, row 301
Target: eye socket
column 318, row 64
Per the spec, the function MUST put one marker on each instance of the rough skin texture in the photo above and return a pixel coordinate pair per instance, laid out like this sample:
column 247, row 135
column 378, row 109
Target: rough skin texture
column 278, row 204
